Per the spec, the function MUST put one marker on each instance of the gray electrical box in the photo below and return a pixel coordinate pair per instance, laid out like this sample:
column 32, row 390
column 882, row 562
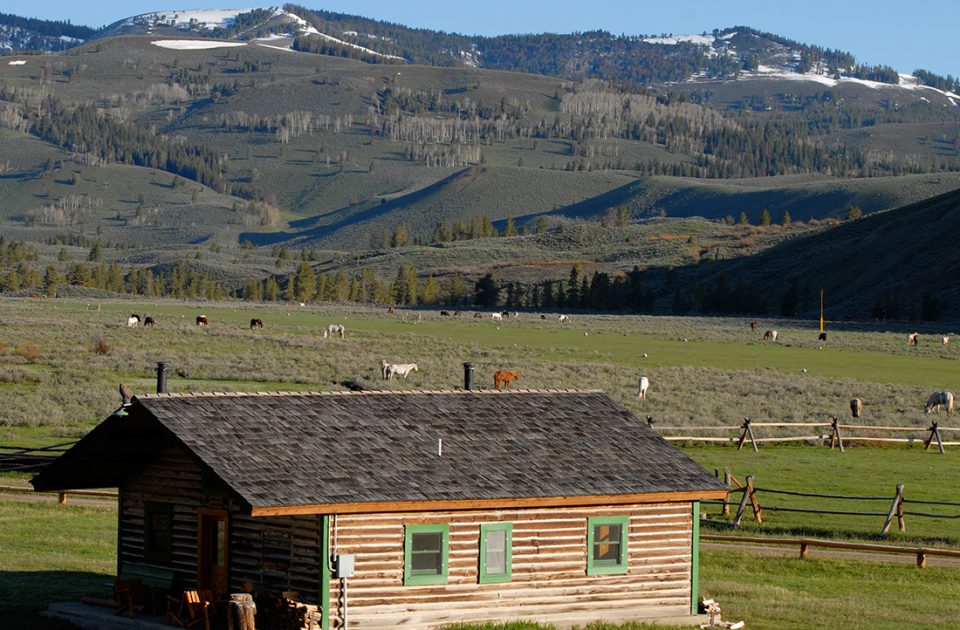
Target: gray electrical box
column 343, row 565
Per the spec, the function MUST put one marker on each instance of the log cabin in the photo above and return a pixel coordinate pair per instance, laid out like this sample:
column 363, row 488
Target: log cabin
column 406, row 509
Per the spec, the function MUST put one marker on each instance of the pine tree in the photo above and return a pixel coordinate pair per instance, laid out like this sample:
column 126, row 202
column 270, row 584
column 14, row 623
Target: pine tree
column 765, row 217
column 785, row 221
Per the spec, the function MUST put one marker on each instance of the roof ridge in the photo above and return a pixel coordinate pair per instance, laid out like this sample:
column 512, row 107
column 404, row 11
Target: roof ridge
column 372, row 392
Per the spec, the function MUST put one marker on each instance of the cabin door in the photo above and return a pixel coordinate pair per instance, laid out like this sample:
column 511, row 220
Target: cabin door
column 212, row 550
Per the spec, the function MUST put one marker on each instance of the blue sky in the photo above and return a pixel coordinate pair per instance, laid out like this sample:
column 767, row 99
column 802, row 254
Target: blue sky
column 904, row 35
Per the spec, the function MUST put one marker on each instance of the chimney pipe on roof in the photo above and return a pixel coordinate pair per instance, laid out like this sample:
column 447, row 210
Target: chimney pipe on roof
column 162, row 377
column 467, row 375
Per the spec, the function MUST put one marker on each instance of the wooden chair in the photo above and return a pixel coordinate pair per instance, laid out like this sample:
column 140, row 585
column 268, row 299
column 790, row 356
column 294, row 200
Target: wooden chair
column 190, row 609
column 129, row 596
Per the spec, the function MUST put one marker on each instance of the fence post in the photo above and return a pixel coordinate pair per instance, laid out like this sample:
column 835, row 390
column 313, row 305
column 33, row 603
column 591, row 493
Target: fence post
column 726, row 497
column 741, row 507
column 836, row 439
column 743, row 436
column 934, row 433
column 754, row 502
column 896, row 509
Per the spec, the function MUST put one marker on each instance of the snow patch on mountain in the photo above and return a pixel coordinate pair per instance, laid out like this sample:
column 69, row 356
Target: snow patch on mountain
column 673, row 40
column 195, row 44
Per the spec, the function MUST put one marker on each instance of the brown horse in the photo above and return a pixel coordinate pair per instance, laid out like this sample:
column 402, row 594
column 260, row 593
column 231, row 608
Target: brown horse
column 502, row 377
column 256, row 323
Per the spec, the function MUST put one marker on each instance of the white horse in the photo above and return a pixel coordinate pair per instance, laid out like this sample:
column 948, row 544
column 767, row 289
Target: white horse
column 563, row 318
column 400, row 369
column 334, row 329
column 642, row 386
column 937, row 400
column 497, row 317
column 133, row 320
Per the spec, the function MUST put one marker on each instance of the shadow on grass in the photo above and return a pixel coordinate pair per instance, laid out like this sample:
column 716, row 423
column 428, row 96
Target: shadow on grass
column 25, row 594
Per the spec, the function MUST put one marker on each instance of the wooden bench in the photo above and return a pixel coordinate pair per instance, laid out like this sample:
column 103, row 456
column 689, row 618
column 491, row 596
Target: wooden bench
column 140, row 586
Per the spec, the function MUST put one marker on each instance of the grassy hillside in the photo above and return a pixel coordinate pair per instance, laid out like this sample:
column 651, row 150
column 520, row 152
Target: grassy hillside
column 889, row 260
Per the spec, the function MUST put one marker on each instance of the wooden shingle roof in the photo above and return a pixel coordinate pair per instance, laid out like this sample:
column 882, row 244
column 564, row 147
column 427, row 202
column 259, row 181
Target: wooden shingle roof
column 279, row 451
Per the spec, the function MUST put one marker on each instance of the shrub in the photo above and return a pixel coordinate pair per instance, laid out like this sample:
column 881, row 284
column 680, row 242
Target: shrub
column 100, row 346
column 29, row 352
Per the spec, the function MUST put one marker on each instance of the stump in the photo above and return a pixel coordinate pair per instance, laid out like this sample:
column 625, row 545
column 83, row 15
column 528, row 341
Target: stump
column 241, row 612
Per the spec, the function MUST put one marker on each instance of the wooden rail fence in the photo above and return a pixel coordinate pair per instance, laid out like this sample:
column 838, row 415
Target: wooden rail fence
column 805, row 544
column 835, row 431
column 26, row 459
column 749, row 493
column 62, row 494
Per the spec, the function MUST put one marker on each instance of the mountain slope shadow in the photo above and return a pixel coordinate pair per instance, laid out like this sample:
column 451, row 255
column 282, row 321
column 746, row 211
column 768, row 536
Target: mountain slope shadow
column 455, row 181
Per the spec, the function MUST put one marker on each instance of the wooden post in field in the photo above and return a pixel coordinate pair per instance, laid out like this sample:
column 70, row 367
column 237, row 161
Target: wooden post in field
column 934, row 433
column 836, row 439
column 747, row 431
column 754, row 502
column 896, row 509
column 726, row 498
column 741, row 507
column 804, row 552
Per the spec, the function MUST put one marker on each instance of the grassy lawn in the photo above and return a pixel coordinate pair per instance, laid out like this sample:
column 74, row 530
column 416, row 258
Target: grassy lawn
column 860, row 471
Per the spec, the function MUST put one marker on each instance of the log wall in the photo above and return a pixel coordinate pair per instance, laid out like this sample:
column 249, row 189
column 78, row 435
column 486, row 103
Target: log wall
column 549, row 581
column 281, row 554
column 171, row 478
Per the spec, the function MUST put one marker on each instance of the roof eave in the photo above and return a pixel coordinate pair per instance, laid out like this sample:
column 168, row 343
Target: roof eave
column 378, row 507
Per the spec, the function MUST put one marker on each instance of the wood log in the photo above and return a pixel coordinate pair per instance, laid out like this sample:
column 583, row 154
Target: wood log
column 241, row 613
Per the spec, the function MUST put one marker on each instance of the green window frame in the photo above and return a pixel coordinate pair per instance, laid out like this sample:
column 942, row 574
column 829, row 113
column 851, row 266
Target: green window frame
column 488, row 574
column 425, row 550
column 607, row 551
column 158, row 532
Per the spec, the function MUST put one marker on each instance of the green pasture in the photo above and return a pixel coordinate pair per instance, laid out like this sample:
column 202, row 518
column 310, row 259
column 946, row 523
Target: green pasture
column 703, row 371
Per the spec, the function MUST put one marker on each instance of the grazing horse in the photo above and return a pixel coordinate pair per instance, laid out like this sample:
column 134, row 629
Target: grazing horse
column 400, row 369
column 946, row 340
column 563, row 318
column 937, row 400
column 334, row 329
column 444, row 313
column 149, row 321
column 822, row 336
column 753, row 325
column 256, row 323
column 912, row 339
column 133, row 320
column 457, row 313
column 477, row 316
column 771, row 335
column 391, row 311
column 542, row 316
column 642, row 386
column 856, row 407
column 502, row 377
column 202, row 320
column 497, row 317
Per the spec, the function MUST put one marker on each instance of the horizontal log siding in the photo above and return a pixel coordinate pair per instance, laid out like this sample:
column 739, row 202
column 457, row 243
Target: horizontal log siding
column 171, row 478
column 549, row 581
column 281, row 554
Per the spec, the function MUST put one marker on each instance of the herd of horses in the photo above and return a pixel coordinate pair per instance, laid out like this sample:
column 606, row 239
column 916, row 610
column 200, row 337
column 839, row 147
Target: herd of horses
column 503, row 378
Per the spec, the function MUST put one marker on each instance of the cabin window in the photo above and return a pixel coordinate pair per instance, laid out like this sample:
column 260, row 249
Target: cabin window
column 158, row 532
column 496, row 552
column 607, row 545
column 425, row 554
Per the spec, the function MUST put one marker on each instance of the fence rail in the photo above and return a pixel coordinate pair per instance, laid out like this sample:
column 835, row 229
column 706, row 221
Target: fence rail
column 805, row 543
column 61, row 494
column 27, row 459
column 749, row 494
column 836, row 433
